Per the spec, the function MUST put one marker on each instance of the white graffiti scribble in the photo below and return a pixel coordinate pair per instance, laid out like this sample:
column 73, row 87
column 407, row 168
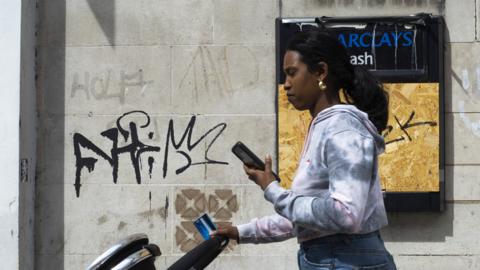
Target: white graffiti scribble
column 472, row 125
column 100, row 88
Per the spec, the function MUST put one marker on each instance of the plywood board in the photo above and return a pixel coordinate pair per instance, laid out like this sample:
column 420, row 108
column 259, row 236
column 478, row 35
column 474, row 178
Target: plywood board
column 411, row 160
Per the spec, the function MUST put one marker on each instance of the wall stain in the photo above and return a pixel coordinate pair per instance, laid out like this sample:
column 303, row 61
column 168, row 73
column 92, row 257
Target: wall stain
column 121, row 225
column 60, row 248
column 167, row 203
column 161, row 212
column 102, row 220
column 11, row 203
column 328, row 3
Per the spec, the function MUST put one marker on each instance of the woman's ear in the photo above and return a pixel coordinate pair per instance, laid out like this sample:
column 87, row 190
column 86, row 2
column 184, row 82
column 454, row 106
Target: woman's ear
column 322, row 71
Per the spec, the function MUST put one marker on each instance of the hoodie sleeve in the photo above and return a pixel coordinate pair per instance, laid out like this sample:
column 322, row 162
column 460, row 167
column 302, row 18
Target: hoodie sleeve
column 350, row 162
column 274, row 228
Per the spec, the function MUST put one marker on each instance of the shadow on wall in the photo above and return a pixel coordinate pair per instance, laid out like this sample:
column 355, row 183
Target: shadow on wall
column 104, row 12
column 430, row 226
column 50, row 184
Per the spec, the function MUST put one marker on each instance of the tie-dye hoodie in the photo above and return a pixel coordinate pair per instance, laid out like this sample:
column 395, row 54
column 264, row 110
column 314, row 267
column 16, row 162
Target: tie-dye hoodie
column 336, row 188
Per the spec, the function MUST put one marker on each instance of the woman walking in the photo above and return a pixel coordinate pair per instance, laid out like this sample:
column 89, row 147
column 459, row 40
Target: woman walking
column 335, row 205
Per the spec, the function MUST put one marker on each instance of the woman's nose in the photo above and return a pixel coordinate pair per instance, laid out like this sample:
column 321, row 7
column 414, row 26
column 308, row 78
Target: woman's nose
column 287, row 85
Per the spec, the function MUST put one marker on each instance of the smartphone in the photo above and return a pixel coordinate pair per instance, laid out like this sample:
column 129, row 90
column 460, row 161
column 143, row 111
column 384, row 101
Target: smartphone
column 249, row 158
column 205, row 226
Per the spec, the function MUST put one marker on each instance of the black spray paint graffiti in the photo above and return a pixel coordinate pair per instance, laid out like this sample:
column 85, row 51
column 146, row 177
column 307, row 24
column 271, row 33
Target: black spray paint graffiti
column 405, row 127
column 136, row 148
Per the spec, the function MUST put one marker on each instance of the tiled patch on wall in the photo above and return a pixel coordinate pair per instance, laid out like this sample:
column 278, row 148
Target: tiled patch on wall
column 221, row 205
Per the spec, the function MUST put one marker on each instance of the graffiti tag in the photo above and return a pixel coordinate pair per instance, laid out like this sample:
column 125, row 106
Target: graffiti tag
column 136, row 148
column 404, row 127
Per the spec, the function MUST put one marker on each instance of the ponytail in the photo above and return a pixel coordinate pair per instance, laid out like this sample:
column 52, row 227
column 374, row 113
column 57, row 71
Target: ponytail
column 369, row 96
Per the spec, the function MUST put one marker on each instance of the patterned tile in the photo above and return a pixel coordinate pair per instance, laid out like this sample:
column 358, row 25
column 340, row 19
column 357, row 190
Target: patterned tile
column 222, row 206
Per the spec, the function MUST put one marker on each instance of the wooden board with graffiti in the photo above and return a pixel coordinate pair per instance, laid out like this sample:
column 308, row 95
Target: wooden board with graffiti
column 411, row 160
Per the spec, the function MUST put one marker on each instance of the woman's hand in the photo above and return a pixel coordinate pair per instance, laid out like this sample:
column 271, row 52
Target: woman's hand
column 228, row 231
column 261, row 178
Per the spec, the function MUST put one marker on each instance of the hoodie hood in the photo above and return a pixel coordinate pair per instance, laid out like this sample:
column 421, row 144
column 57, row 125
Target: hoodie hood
column 361, row 116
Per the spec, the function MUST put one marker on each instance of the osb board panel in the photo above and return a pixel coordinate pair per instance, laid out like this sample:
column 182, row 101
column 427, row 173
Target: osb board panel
column 292, row 129
column 411, row 160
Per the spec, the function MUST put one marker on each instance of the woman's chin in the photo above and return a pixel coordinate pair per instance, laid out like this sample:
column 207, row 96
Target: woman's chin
column 299, row 107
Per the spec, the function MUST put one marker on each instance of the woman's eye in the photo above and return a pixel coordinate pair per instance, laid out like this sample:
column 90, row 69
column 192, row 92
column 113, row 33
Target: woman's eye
column 290, row 72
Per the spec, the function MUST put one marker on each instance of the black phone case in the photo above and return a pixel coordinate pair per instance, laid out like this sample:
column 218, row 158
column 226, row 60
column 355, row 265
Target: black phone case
column 240, row 148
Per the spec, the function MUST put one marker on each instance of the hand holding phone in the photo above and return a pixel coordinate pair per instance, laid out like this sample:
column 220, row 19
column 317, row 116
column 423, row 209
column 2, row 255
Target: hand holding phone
column 249, row 158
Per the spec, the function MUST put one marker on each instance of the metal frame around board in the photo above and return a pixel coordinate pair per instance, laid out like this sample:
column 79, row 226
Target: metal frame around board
column 433, row 71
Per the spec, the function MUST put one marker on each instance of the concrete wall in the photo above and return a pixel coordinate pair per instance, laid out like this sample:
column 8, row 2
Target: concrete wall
column 10, row 17
column 17, row 133
column 214, row 61
column 28, row 135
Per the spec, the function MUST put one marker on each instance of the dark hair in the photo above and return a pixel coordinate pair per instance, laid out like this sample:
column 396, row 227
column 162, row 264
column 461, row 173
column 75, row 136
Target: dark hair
column 317, row 45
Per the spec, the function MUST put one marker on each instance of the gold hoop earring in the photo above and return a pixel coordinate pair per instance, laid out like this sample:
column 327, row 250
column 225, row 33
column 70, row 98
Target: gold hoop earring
column 322, row 85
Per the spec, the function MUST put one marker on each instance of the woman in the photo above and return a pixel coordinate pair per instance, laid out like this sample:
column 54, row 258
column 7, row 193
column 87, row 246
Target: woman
column 335, row 205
